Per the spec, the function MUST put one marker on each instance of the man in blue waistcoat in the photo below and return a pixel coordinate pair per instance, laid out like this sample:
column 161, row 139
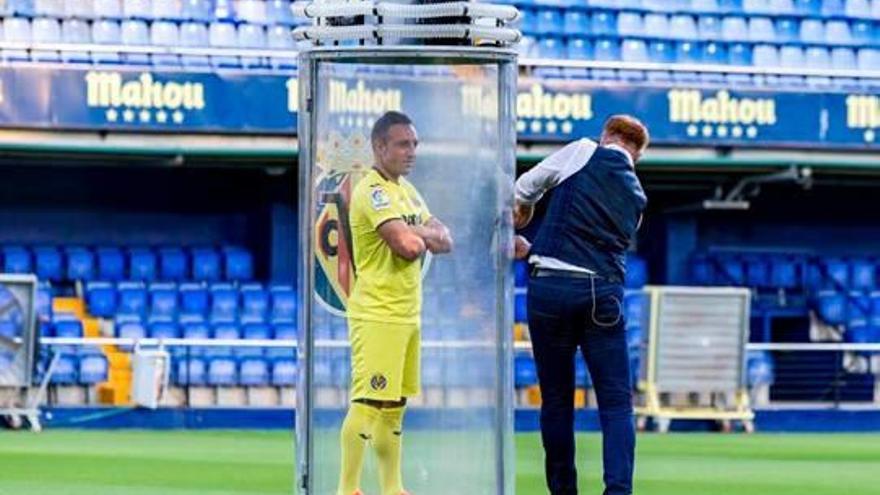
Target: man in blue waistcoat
column 576, row 292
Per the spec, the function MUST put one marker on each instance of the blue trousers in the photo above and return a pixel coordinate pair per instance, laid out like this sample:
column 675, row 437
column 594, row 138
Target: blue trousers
column 566, row 315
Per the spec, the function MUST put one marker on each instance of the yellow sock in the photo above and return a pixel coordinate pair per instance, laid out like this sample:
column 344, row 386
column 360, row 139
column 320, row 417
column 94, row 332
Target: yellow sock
column 357, row 430
column 386, row 442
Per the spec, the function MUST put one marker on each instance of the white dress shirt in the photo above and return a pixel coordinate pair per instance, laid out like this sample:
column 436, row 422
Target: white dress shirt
column 550, row 172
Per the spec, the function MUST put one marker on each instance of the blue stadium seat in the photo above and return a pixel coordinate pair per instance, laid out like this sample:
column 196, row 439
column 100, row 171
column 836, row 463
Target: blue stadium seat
column 863, row 275
column 792, row 57
column 606, row 50
column 48, row 264
column 704, row 6
column 808, row 7
column 252, row 36
column 238, row 264
column 519, row 308
column 93, row 369
column 284, row 373
column 634, row 50
column 862, row 333
column 173, row 264
column 67, row 326
column 709, row 27
column 868, row 58
column 136, row 33
column 687, row 52
column 142, row 264
column 784, row 273
column 838, row 273
column 80, row 263
column 163, row 329
column 165, row 33
column 44, row 308
column 253, row 372
column 765, row 56
column 734, row 29
column 548, row 21
column 254, row 303
column 279, row 37
column 194, row 35
column 761, row 29
column 739, row 54
column 657, row 25
column 108, row 9
column 833, row 8
column 206, row 264
column 192, row 371
column 714, row 53
column 253, row 331
column 169, row 10
column 832, row 307
column 759, row 368
column 279, row 12
column 193, row 299
column 812, row 31
column 636, row 272
column 603, row 23
column 838, row 33
column 757, row 272
column 16, row 29
column 630, row 24
column 863, row 32
column 702, row 272
column 194, row 329
column 197, row 10
column 129, row 329
column 857, row 8
column 550, row 48
column 284, row 331
column 76, row 31
column 137, row 9
column 787, row 30
column 224, row 303
column 224, row 10
column 101, row 299
column 131, row 298
column 525, row 373
column 20, row 8
column 66, row 370
column 283, row 304
column 17, row 259
column 683, row 27
column 782, row 7
column 634, row 308
column 858, row 310
column 111, row 264
column 49, row 8
column 521, row 273
column 660, row 52
column 253, row 11
column 106, row 32
column 222, row 371
column 163, row 300
column 575, row 22
column 756, row 7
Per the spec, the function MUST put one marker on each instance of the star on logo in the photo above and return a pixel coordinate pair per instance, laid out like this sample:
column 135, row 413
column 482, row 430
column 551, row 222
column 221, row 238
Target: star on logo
column 177, row 117
column 707, row 131
column 567, row 127
column 870, row 136
column 692, row 130
column 161, row 116
column 128, row 115
column 737, row 131
column 536, row 126
column 752, row 131
column 552, row 126
column 112, row 114
column 359, row 122
column 145, row 116
column 520, row 125
column 721, row 131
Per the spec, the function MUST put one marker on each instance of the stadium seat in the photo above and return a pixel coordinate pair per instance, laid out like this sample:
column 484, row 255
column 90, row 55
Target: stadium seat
column 142, row 264
column 165, row 33
column 756, row 7
column 683, row 27
column 253, row 11
column 252, row 36
column 863, row 275
column 812, row 31
column 792, row 57
column 49, row 8
column 759, row 368
column 283, row 304
column 757, row 272
column 163, row 329
column 838, row 272
column 67, row 326
column 131, row 298
column 832, row 307
column 224, row 10
column 129, row 329
column 858, row 310
column 739, row 54
column 173, row 264
column 80, row 263
column 194, row 329
column 253, row 331
column 633, row 50
column 838, row 33
column 93, row 369
column 137, row 9
column 101, row 299
column 106, row 32
column 714, row 53
column 519, row 310
column 785, row 273
column 630, row 24
column 238, row 264
column 66, row 370
column 832, row 8
column 222, row 371
column 787, row 30
column 76, row 31
column 284, row 373
column 734, row 29
column 550, row 48
column 525, row 373
column 108, row 9
column 575, row 22
column 868, row 58
column 636, row 272
column 48, row 264
column 194, row 35
column 548, row 21
column 253, row 372
column 206, row 264
column 687, row 52
column 657, row 25
column 167, row 10
column 197, row 10
column 163, row 300
column 135, row 33
column 606, row 50
column 224, row 303
column 20, row 8
column 765, row 56
column 634, row 309
column 603, row 23
column 279, row 37
column 761, row 29
column 17, row 259
column 782, row 7
column 862, row 32
column 254, row 303
column 44, row 305
column 280, row 12
column 18, row 30
column 192, row 371
column 808, row 7
column 284, row 331
column 704, row 6
column 111, row 264
column 709, row 27
column 45, row 30
column 193, row 299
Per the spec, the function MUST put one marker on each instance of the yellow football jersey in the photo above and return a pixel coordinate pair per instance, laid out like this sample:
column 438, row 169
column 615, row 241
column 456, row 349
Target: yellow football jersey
column 387, row 287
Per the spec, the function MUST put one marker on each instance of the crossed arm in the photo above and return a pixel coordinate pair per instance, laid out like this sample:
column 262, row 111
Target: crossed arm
column 411, row 242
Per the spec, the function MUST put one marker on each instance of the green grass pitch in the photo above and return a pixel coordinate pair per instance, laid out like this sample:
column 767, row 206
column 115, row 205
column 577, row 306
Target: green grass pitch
column 66, row 462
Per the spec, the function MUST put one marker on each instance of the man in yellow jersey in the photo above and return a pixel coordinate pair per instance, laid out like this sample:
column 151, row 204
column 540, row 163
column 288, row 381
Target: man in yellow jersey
column 391, row 230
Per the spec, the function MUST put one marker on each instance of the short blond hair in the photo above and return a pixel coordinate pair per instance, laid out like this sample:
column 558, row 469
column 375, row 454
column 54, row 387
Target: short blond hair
column 629, row 129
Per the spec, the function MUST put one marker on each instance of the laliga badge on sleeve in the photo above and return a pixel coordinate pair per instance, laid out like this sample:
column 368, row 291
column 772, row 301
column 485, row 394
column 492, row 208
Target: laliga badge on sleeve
column 379, row 198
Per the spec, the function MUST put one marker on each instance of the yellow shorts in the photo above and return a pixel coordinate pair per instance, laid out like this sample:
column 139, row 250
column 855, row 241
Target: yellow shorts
column 385, row 360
